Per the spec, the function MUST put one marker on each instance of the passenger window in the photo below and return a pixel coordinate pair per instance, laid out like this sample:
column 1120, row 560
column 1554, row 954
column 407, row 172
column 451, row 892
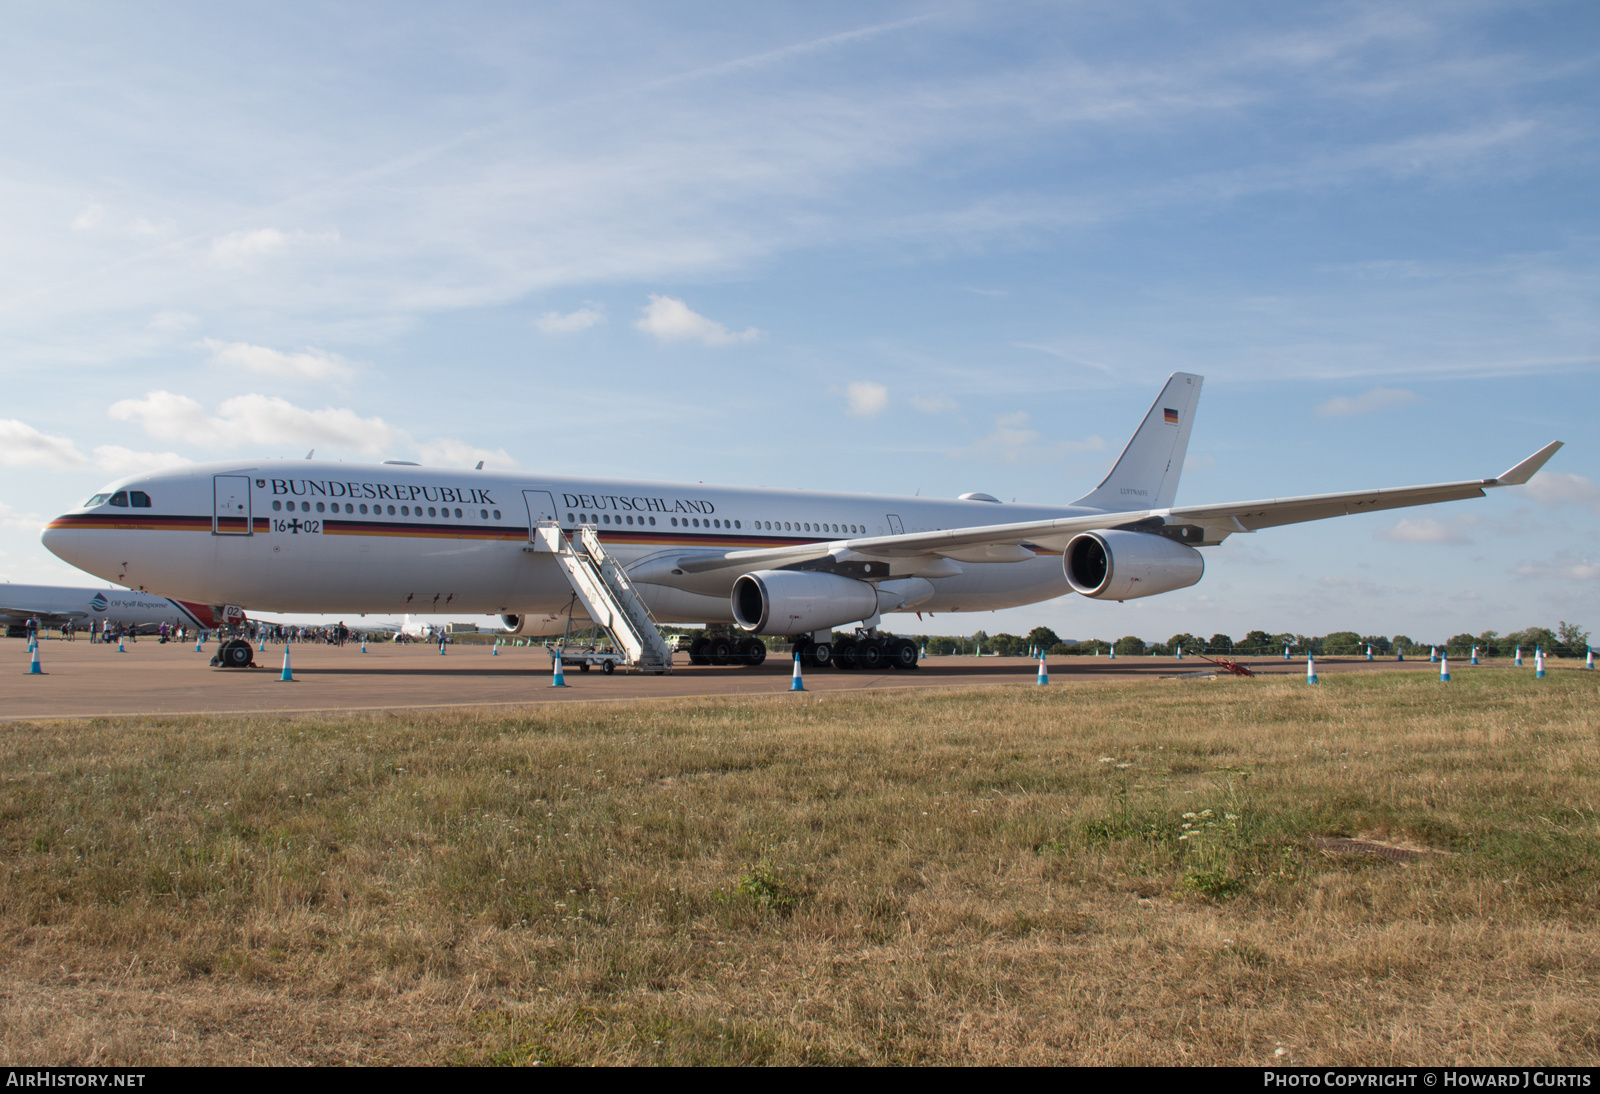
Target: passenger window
column 497, row 515
column 652, row 522
column 405, row 511
column 319, row 507
column 120, row 498
column 277, row 506
column 571, row 519
column 483, row 514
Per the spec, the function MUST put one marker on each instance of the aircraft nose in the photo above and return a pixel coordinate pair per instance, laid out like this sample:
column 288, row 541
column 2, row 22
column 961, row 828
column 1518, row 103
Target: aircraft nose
column 60, row 540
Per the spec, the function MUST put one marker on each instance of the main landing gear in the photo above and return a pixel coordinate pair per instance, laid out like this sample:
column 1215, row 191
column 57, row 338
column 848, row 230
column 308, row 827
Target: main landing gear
column 876, row 653
column 866, row 649
column 726, row 649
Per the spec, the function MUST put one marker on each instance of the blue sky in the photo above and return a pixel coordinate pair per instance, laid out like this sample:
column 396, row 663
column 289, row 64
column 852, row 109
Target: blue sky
column 895, row 247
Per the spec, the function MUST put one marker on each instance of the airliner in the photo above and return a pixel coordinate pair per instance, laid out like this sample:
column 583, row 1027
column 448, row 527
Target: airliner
column 318, row 536
column 58, row 605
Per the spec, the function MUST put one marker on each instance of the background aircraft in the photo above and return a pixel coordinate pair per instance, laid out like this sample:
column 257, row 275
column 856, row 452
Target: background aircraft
column 57, row 605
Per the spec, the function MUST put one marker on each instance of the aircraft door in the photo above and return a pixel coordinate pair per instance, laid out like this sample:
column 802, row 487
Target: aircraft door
column 541, row 506
column 895, row 527
column 231, row 517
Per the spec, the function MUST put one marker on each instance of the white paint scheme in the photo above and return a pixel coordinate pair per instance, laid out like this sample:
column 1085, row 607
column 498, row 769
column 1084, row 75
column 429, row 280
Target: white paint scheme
column 927, row 554
column 55, row 605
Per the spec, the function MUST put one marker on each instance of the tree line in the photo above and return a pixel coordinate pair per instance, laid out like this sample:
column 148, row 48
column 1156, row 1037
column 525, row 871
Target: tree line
column 1567, row 640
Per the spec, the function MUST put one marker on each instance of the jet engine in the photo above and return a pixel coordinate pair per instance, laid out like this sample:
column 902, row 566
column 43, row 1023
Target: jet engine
column 797, row 601
column 538, row 626
column 1118, row 565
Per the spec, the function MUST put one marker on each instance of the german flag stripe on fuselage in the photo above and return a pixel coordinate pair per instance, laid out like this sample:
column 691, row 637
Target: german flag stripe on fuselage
column 414, row 530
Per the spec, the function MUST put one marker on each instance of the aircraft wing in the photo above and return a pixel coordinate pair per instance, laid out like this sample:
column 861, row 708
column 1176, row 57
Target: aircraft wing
column 10, row 615
column 1005, row 542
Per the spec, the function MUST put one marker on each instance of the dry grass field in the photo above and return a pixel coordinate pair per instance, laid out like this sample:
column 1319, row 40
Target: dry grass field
column 1094, row 874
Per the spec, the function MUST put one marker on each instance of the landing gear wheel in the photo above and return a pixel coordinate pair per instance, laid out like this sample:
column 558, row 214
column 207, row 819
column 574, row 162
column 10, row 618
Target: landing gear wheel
column 755, row 652
column 821, row 654
column 584, row 667
column 609, row 667
column 844, row 653
column 903, row 654
column 869, row 655
column 235, row 655
column 697, row 651
column 720, row 650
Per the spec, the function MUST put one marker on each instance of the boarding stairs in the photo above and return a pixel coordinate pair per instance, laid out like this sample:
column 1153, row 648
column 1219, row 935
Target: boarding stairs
column 602, row 586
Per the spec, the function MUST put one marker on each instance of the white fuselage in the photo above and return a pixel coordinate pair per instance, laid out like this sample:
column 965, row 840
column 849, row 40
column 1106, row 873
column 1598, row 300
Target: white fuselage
column 54, row 605
column 304, row 536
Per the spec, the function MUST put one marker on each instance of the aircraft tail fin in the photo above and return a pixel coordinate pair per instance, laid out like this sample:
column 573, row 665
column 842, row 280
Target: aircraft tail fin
column 1146, row 474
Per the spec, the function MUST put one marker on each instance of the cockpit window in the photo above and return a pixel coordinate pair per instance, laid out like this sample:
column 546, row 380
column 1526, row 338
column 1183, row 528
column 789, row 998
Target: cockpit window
column 98, row 499
column 140, row 499
column 120, row 498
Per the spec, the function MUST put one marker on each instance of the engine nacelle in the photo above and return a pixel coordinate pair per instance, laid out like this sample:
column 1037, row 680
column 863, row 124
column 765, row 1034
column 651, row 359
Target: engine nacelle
column 534, row 625
column 1119, row 565
column 796, row 601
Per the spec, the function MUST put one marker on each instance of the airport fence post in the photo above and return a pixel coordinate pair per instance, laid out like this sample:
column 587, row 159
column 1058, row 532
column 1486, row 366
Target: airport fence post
column 796, row 683
column 1311, row 669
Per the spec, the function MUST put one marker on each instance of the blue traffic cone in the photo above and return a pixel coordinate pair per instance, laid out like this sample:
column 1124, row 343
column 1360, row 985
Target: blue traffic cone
column 1286, row 653
column 558, row 680
column 1589, row 662
column 1399, row 654
column 120, row 647
column 1113, row 653
column 1180, row 653
column 198, row 643
column 288, row 676
column 1517, row 660
column 924, row 656
column 1474, row 655
column 496, row 651
column 1044, row 672
column 1444, row 669
column 797, row 684
column 262, row 648
column 1538, row 664
column 1369, row 653
column 363, row 643
column 1311, row 669
column 1433, row 654
column 33, row 667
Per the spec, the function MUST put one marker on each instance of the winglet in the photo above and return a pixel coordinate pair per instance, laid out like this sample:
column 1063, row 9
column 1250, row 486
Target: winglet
column 1525, row 470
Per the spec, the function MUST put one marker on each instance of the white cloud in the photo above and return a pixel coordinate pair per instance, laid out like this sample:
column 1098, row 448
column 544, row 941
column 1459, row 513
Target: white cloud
column 1013, row 441
column 866, row 399
column 309, row 364
column 1563, row 567
column 172, row 321
column 933, row 404
column 1562, row 488
column 1379, row 398
column 257, row 419
column 21, row 445
column 1425, row 530
column 10, row 518
column 236, row 248
column 553, row 322
column 125, row 461
column 670, row 320
column 87, row 219
column 446, row 452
